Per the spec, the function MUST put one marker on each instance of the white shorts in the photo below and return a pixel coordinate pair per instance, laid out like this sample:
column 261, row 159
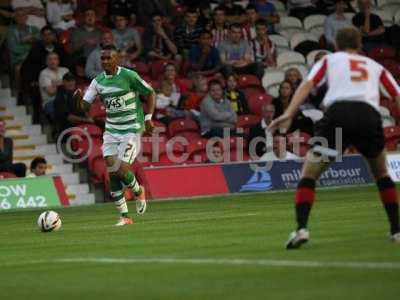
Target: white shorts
column 125, row 147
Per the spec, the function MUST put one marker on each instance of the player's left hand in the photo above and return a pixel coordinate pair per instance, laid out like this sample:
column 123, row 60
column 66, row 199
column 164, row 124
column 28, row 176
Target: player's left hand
column 149, row 127
column 282, row 123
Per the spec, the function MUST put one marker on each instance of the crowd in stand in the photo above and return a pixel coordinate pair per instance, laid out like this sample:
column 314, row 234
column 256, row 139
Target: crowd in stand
column 54, row 46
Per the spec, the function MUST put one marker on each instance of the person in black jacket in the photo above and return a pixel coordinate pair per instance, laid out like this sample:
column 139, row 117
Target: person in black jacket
column 263, row 143
column 6, row 155
column 236, row 96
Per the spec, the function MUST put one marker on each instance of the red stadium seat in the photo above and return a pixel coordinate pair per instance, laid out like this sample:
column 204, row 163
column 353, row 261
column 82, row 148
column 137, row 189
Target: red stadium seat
column 92, row 130
column 182, row 125
column 301, row 147
column 140, row 68
column 248, row 80
column 380, row 53
column 256, row 101
column 197, row 150
column 392, row 137
column 190, row 135
column 64, row 38
column 246, row 121
column 6, row 175
column 99, row 172
column 157, row 68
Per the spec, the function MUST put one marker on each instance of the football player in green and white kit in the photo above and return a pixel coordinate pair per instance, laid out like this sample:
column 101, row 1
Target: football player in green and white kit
column 120, row 88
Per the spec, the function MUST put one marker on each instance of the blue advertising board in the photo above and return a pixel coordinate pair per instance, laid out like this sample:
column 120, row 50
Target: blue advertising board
column 282, row 175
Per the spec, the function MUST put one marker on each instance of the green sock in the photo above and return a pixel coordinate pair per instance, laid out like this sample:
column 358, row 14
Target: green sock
column 117, row 195
column 130, row 181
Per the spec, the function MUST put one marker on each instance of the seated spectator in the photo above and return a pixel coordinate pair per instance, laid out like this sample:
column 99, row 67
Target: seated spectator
column 204, row 58
column 66, row 107
column 33, row 9
column 234, row 12
column 187, row 34
column 301, row 8
column 260, row 131
column 116, row 7
column 370, row 25
column 38, row 167
column 157, row 41
column 93, row 65
column 328, row 7
column 167, row 104
column 49, row 80
column 85, row 38
column 263, row 49
column 126, row 38
column 216, row 112
column 6, row 155
column 335, row 22
column 235, row 96
column 236, row 54
column 279, row 151
column 20, row 38
column 219, row 28
column 193, row 97
column 282, row 102
column 146, row 8
column 60, row 14
column 249, row 28
column 170, row 77
column 294, row 77
column 267, row 12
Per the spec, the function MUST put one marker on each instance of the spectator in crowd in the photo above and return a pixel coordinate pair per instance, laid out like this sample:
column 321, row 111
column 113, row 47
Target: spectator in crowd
column 370, row 25
column 219, row 28
column 6, row 155
column 301, row 8
column 20, row 38
column 60, row 13
column 146, row 8
column 116, row 7
column 93, row 65
column 216, row 156
column 328, row 7
column 260, row 137
column 203, row 58
column 194, row 96
column 294, row 77
column 279, row 151
column 66, row 107
column 235, row 96
column 234, row 12
column 267, row 12
column 157, row 41
column 38, row 167
column 167, row 104
column 236, row 54
column 249, row 28
column 216, row 112
column 281, row 103
column 335, row 22
column 33, row 9
column 263, row 48
column 49, row 80
column 170, row 77
column 85, row 38
column 126, row 38
column 187, row 34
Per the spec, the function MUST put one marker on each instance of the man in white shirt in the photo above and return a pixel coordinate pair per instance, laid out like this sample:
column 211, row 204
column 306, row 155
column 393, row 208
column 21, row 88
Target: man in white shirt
column 279, row 151
column 335, row 22
column 352, row 106
column 34, row 9
column 49, row 80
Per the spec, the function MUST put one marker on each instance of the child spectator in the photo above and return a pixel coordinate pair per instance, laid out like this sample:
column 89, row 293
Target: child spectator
column 38, row 167
column 235, row 96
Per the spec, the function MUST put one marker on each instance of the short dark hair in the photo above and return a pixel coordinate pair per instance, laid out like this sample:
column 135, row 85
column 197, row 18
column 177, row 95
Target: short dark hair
column 191, row 10
column 36, row 161
column 88, row 9
column 261, row 22
column 47, row 28
column 109, row 47
column 220, row 8
column 235, row 25
column 69, row 77
column 121, row 14
column 214, row 82
column 251, row 6
column 349, row 38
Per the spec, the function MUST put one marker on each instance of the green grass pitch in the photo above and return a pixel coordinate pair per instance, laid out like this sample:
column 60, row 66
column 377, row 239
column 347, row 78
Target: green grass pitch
column 216, row 248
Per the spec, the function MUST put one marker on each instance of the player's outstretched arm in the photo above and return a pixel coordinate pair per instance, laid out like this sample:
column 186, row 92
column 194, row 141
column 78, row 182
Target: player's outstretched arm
column 151, row 103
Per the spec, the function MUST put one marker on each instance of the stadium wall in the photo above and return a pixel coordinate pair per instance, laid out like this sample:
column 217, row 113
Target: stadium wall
column 217, row 179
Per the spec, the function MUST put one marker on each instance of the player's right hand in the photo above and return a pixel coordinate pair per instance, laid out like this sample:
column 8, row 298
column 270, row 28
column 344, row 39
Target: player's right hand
column 282, row 123
column 149, row 127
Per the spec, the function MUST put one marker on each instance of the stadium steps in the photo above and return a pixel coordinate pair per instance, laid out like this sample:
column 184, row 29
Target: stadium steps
column 30, row 142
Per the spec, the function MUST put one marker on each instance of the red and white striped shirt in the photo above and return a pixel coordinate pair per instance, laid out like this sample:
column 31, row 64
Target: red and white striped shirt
column 218, row 36
column 352, row 77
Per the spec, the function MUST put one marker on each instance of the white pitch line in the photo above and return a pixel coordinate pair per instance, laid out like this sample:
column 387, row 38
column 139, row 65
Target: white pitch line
column 221, row 261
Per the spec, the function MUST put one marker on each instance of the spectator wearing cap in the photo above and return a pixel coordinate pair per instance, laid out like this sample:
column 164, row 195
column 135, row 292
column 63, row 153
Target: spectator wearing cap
column 38, row 167
column 33, row 9
column 216, row 112
column 203, row 58
column 236, row 55
column 157, row 41
column 335, row 22
column 6, row 155
column 60, row 14
column 93, row 65
column 187, row 33
column 85, row 38
column 126, row 39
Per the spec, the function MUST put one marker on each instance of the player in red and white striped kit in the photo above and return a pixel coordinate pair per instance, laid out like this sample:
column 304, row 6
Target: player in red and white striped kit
column 352, row 104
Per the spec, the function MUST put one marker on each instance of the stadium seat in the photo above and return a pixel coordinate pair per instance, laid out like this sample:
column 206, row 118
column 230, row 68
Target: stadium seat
column 64, row 38
column 298, row 143
column 188, row 83
column 246, row 121
column 6, row 175
column 392, row 137
column 299, row 37
column 391, row 8
column 311, row 56
column 271, row 81
column 279, row 6
column 384, row 52
column 92, row 130
column 157, row 68
column 385, row 15
column 290, row 58
column 397, row 17
column 315, row 24
column 256, row 101
column 140, row 68
column 280, row 41
column 182, row 125
column 248, row 80
column 392, row 65
column 288, row 26
column 197, row 150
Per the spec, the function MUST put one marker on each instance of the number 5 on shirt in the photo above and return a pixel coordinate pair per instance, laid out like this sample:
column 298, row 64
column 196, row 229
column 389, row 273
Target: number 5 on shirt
column 358, row 70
